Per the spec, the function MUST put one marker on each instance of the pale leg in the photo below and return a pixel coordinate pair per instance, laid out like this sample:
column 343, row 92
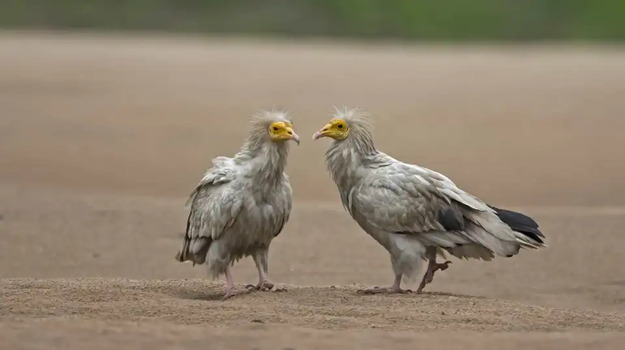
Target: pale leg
column 231, row 290
column 395, row 288
column 260, row 259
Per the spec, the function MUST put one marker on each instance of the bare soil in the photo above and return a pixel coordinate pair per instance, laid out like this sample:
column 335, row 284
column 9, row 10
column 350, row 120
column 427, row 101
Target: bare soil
column 102, row 138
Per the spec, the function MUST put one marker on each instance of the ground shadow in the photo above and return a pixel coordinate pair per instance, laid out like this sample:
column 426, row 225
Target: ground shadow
column 446, row 294
column 422, row 294
column 190, row 294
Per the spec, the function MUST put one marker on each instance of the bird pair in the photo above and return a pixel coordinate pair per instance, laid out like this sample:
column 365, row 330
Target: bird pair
column 242, row 203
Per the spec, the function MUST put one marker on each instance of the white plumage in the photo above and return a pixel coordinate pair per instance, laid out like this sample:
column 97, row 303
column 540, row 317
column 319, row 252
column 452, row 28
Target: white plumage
column 242, row 203
column 415, row 212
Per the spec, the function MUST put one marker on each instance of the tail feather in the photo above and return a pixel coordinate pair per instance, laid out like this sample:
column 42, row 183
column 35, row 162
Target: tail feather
column 487, row 233
column 473, row 251
column 181, row 256
column 521, row 223
column 193, row 249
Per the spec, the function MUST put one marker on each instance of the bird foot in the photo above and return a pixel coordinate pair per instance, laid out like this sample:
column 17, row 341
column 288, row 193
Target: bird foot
column 389, row 290
column 429, row 274
column 435, row 267
column 443, row 266
column 231, row 292
column 262, row 286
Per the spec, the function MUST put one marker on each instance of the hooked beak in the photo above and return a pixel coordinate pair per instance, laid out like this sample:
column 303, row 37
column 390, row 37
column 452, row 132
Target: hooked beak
column 294, row 137
column 321, row 133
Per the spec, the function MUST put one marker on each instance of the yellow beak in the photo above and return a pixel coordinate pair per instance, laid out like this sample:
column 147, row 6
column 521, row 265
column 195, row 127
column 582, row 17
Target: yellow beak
column 293, row 135
column 321, row 133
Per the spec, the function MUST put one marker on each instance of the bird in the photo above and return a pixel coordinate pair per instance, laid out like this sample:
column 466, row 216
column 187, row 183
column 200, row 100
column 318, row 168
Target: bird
column 242, row 203
column 412, row 211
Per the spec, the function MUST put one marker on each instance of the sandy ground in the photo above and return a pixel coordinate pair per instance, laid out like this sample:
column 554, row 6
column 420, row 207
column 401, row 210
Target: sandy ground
column 102, row 138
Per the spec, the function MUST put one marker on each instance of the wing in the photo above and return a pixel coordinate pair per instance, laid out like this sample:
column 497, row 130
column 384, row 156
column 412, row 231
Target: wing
column 215, row 206
column 402, row 199
column 285, row 203
column 413, row 200
column 215, row 203
column 223, row 171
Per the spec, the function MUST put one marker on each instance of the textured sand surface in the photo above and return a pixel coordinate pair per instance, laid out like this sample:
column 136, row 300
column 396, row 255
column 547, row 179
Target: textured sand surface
column 102, row 138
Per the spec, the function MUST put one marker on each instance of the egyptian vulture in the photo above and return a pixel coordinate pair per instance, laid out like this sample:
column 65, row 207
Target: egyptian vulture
column 242, row 203
column 414, row 212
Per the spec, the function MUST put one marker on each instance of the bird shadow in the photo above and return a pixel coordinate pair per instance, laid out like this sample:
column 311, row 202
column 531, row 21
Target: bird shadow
column 425, row 294
column 446, row 294
column 190, row 294
column 217, row 294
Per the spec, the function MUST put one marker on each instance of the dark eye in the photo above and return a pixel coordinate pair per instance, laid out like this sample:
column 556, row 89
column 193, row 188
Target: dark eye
column 275, row 128
column 340, row 126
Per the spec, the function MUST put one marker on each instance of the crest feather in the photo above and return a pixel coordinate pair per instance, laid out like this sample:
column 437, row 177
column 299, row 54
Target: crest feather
column 267, row 117
column 260, row 122
column 360, row 128
column 355, row 117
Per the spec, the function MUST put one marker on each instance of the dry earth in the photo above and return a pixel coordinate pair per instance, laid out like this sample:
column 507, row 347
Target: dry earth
column 102, row 137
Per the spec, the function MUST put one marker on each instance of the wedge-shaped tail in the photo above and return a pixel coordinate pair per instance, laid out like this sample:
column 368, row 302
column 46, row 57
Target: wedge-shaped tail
column 523, row 224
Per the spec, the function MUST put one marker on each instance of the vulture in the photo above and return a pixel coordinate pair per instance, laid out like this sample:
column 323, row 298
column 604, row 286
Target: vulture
column 414, row 212
column 242, row 203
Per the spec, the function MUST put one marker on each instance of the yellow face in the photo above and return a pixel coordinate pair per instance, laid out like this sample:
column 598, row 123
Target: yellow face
column 282, row 131
column 336, row 129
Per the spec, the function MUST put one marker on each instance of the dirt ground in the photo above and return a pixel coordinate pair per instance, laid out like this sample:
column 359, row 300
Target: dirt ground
column 103, row 137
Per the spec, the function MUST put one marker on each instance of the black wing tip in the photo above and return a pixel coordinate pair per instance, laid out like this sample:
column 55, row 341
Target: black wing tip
column 515, row 216
column 535, row 236
column 521, row 223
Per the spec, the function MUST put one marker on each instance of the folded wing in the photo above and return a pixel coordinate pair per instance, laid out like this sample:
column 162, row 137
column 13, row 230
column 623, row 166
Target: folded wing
column 407, row 199
column 215, row 205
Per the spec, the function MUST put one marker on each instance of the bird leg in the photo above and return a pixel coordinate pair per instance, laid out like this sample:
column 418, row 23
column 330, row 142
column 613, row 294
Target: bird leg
column 433, row 266
column 394, row 289
column 263, row 283
column 231, row 290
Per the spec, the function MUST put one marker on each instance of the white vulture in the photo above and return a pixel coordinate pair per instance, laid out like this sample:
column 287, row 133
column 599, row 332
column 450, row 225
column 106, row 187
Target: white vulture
column 414, row 212
column 242, row 203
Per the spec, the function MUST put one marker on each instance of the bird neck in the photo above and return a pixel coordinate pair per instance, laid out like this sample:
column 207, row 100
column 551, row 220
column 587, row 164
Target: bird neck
column 345, row 162
column 267, row 161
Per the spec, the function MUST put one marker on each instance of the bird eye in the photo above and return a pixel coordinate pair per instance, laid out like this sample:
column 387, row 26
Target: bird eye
column 275, row 128
column 340, row 126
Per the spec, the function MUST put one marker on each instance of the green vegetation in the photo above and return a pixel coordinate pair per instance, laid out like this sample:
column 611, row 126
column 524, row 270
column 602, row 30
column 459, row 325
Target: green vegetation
column 455, row 20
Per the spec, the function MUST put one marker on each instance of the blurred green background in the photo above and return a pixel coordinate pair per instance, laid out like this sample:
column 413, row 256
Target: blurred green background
column 435, row 20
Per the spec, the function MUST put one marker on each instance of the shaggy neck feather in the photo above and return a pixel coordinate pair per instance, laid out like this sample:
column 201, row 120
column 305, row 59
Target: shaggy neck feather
column 267, row 159
column 345, row 157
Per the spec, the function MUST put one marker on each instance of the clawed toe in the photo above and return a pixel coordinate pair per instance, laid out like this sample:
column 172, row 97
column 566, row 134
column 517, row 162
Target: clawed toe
column 262, row 286
column 443, row 266
column 265, row 286
column 234, row 292
column 428, row 277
